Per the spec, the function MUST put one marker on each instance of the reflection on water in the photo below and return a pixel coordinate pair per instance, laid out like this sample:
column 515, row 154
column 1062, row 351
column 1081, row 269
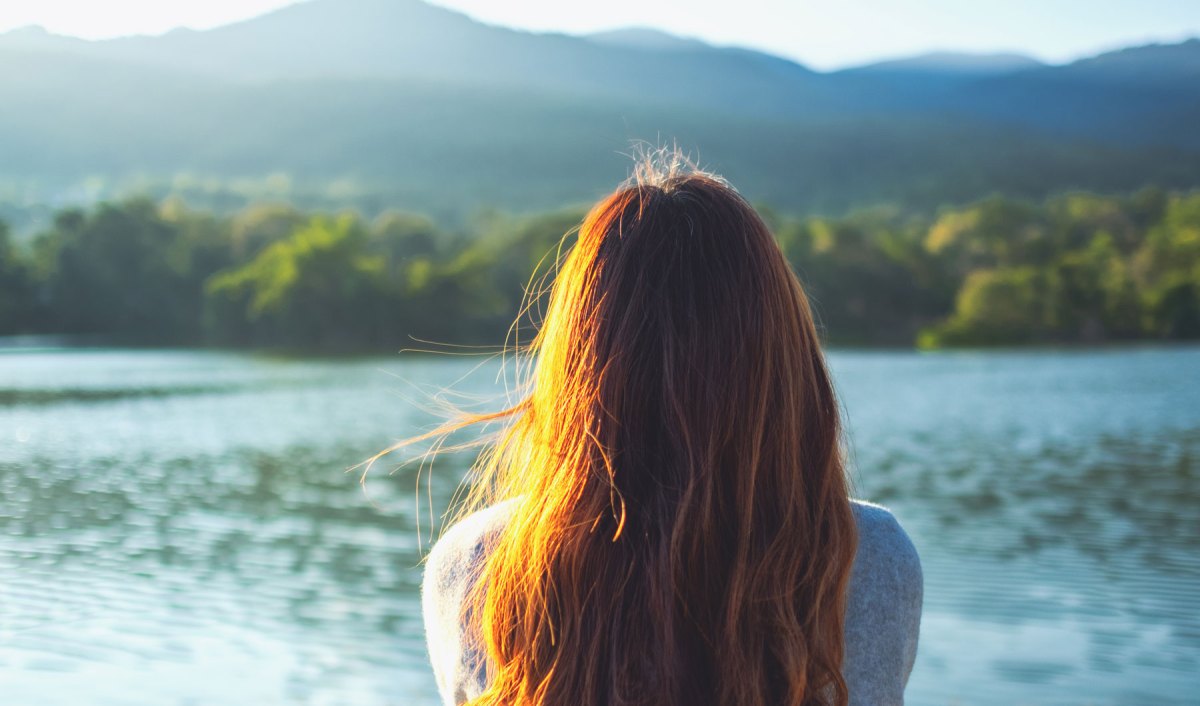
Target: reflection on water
column 179, row 527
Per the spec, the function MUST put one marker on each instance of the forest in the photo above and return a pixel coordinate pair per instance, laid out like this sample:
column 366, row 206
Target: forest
column 1075, row 268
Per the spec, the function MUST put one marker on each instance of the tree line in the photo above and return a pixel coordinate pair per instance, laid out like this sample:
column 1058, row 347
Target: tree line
column 1075, row 268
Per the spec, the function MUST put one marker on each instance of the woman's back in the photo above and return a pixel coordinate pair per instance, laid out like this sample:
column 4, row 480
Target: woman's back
column 670, row 519
column 883, row 611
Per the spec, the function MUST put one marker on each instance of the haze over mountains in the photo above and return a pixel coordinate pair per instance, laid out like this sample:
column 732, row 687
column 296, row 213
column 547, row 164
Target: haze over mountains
column 398, row 103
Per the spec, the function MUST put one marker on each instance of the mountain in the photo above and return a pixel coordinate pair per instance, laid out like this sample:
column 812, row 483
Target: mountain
column 1147, row 95
column 647, row 38
column 36, row 38
column 1154, row 63
column 410, row 39
column 927, row 82
column 951, row 63
column 378, row 103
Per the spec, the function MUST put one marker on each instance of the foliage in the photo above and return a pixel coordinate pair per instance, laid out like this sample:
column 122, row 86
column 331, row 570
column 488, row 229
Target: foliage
column 317, row 286
column 1076, row 268
column 129, row 269
column 17, row 301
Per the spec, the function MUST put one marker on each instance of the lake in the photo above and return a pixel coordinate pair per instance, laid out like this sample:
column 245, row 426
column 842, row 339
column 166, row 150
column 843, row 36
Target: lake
column 179, row 527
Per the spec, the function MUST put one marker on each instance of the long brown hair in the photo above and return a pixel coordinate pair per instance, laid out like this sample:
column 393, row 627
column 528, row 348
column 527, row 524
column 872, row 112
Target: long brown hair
column 681, row 532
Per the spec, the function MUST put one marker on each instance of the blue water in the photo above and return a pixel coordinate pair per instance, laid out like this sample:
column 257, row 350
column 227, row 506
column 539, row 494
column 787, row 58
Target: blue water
column 180, row 527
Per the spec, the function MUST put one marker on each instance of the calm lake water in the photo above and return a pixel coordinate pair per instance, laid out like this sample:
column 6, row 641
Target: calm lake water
column 179, row 527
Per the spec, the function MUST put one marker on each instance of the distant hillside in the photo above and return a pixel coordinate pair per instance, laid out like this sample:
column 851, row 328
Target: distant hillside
column 398, row 103
column 1137, row 96
column 409, row 39
column 647, row 38
column 951, row 64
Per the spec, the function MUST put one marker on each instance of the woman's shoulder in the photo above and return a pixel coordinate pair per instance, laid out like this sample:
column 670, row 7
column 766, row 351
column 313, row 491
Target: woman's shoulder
column 457, row 555
column 464, row 545
column 878, row 529
column 885, row 551
column 883, row 614
column 452, row 567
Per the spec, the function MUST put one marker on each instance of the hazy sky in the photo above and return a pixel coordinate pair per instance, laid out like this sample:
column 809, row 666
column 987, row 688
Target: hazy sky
column 824, row 34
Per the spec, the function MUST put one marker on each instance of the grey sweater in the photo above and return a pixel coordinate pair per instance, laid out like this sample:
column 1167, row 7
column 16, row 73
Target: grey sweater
column 882, row 617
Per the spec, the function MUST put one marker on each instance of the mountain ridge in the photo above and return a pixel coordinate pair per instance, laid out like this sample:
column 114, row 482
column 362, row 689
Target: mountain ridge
column 631, row 36
column 403, row 97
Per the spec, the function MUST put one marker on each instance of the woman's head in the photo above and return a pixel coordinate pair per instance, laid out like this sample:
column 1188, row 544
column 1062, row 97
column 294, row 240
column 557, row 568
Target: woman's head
column 680, row 341
column 681, row 531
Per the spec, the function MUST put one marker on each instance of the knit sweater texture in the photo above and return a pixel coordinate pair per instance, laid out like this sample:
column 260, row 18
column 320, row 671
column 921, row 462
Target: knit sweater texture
column 883, row 613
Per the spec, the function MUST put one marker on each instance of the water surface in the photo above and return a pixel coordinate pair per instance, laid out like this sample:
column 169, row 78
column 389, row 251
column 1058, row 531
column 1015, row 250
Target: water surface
column 179, row 527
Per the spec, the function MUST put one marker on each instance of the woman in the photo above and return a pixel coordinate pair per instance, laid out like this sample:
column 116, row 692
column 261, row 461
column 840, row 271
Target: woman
column 666, row 518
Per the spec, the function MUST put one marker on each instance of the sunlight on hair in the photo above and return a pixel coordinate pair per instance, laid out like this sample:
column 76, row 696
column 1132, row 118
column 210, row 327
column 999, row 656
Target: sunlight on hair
column 670, row 456
column 662, row 166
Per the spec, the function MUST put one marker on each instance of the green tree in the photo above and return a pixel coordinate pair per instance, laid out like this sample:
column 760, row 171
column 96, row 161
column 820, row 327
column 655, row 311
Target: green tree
column 994, row 307
column 317, row 288
column 868, row 276
column 1168, row 268
column 17, row 302
column 112, row 271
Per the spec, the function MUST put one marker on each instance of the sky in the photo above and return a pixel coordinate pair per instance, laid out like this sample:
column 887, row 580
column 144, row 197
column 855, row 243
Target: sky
column 825, row 35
